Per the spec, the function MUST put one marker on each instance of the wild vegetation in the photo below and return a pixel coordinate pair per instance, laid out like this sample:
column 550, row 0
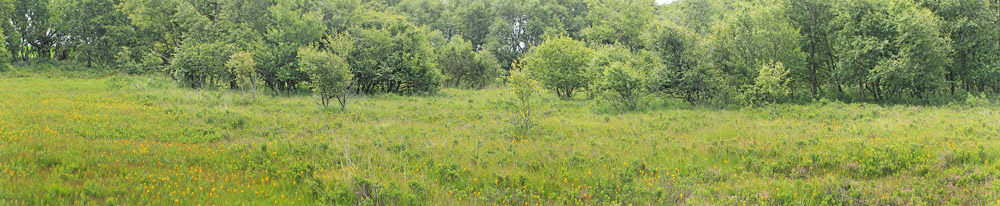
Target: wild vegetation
column 143, row 140
column 499, row 102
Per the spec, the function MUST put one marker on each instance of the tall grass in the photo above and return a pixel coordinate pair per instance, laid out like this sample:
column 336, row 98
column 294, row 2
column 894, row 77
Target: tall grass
column 141, row 140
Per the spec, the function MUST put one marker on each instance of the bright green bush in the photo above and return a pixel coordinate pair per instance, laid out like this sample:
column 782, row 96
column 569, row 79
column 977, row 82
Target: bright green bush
column 622, row 84
column 329, row 75
column 523, row 87
column 244, row 70
column 770, row 85
column 560, row 63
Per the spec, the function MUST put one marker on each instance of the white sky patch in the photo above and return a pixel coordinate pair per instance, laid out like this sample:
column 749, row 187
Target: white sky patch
column 664, row 1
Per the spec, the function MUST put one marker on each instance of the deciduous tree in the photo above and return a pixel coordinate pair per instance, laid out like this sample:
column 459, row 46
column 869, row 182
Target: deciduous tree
column 560, row 63
column 329, row 75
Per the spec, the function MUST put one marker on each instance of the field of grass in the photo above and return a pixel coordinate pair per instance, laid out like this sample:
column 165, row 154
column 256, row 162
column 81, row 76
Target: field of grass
column 142, row 140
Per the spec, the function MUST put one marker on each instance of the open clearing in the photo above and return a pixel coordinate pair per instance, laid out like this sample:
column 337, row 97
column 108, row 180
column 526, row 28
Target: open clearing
column 141, row 140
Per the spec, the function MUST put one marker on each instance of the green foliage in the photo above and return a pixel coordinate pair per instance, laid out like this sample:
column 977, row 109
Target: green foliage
column 12, row 38
column 972, row 28
column 880, row 161
column 294, row 26
column 685, row 73
column 890, row 48
column 93, row 29
column 5, row 57
column 560, row 63
column 465, row 68
column 524, row 87
column 30, row 21
column 156, row 34
column 697, row 15
column 618, row 21
column 198, row 65
column 813, row 18
column 244, row 70
column 622, row 84
column 474, row 20
column 621, row 76
column 425, row 12
column 709, row 50
column 757, row 34
column 771, row 84
column 391, row 55
column 980, row 100
column 519, row 25
column 329, row 75
column 77, row 141
column 485, row 69
column 132, row 62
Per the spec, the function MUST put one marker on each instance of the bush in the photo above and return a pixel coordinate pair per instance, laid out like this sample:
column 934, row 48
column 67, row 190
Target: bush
column 770, row 85
column 243, row 68
column 620, row 75
column 464, row 67
column 201, row 64
column 138, row 62
column 560, row 63
column 523, row 87
column 5, row 56
column 622, row 84
column 329, row 75
column 977, row 100
column 391, row 55
column 686, row 73
column 485, row 69
column 276, row 56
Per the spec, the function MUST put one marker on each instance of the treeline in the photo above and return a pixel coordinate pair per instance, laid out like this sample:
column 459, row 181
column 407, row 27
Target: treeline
column 702, row 51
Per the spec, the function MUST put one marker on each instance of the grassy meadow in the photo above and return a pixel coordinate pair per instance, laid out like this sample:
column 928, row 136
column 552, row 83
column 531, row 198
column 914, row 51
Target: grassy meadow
column 141, row 140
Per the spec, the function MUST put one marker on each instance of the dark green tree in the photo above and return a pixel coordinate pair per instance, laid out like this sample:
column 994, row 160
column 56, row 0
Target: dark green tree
column 94, row 29
column 812, row 18
column 391, row 55
column 890, row 48
column 973, row 30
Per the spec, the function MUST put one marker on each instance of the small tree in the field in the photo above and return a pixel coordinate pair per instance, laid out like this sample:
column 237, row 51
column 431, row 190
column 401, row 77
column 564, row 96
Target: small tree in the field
column 524, row 87
column 622, row 84
column 560, row 63
column 771, row 83
column 329, row 75
column 243, row 68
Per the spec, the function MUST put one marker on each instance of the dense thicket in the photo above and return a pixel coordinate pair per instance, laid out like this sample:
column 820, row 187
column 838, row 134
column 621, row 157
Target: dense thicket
column 701, row 51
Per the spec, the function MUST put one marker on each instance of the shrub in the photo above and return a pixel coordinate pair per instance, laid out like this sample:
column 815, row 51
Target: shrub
column 685, row 72
column 200, row 64
column 391, row 55
column 329, row 75
column 138, row 63
column 977, row 100
column 560, row 63
column 622, row 84
column 880, row 161
column 770, row 85
column 243, row 68
column 523, row 87
column 465, row 67
column 620, row 75
column 5, row 56
column 485, row 69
